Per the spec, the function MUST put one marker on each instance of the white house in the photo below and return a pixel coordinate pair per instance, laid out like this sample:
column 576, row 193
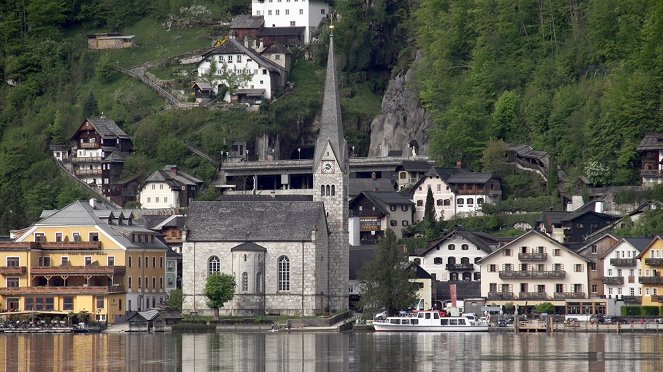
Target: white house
column 266, row 76
column 292, row 13
column 168, row 188
column 456, row 256
column 621, row 269
column 455, row 191
column 533, row 269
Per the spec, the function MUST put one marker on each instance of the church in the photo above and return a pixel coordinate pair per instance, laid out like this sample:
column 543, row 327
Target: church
column 289, row 255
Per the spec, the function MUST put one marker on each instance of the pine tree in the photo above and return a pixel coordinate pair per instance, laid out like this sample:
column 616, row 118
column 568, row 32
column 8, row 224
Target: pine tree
column 90, row 108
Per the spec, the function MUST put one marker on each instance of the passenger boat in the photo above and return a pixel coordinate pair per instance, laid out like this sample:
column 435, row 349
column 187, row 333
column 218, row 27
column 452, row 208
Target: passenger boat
column 429, row 321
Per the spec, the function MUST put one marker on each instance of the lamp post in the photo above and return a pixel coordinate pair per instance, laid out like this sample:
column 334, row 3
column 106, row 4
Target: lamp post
column 299, row 153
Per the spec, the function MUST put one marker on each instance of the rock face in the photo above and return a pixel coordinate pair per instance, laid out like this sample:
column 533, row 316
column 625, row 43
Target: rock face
column 402, row 122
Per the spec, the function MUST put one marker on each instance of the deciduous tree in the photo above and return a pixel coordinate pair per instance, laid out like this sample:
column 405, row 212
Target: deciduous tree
column 219, row 289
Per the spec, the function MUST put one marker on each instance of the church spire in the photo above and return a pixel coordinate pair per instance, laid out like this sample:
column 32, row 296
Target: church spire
column 331, row 124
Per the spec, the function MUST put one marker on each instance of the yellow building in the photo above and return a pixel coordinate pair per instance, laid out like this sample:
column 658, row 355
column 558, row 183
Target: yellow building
column 651, row 261
column 85, row 257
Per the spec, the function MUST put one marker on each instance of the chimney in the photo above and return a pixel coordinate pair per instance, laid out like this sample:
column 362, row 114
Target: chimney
column 374, row 176
column 246, row 41
column 93, row 203
column 173, row 170
column 459, row 163
column 598, row 207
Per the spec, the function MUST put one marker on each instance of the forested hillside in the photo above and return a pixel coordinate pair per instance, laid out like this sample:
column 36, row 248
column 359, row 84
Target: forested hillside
column 582, row 80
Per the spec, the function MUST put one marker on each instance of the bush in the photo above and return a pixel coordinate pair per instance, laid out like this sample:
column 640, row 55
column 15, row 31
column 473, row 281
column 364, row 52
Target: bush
column 630, row 310
column 650, row 310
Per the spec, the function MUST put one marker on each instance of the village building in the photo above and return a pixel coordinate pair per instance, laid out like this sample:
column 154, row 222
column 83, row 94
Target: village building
column 574, row 227
column 651, row 152
column 86, row 257
column 651, row 280
column 372, row 213
column 253, row 29
column 621, row 270
column 411, row 171
column 308, row 14
column 110, row 40
column 288, row 256
column 594, row 251
column 169, row 188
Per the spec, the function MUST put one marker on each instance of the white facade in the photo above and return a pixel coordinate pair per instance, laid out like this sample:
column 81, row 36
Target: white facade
column 455, row 258
column 533, row 268
column 445, row 199
column 240, row 63
column 291, row 13
column 621, row 270
column 88, row 167
column 155, row 195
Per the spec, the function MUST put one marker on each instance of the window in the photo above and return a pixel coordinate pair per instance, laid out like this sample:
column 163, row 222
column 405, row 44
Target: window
column 404, row 223
column 392, row 208
column 58, row 237
column 287, row 11
column 76, row 236
column 480, row 201
column 154, row 282
column 161, row 262
column 146, row 261
column 130, row 261
column 161, row 282
column 439, row 202
column 165, row 199
column 420, row 203
column 12, row 282
column 594, row 249
column 40, row 237
column 147, row 282
column 111, row 261
column 439, row 187
column 578, row 268
column 259, row 283
column 245, row 282
column 447, row 202
column 507, row 252
column 404, row 208
column 592, row 266
column 239, row 58
column 68, row 303
column 156, row 200
column 470, row 201
column 154, row 261
column 13, row 262
column 130, row 283
column 230, row 59
column 264, row 72
column 277, row 12
column 492, row 268
column 149, row 200
column 100, row 302
column 438, row 261
column 93, row 237
column 214, row 265
column 451, row 247
column 393, row 223
column 464, row 247
column 44, row 261
column 283, row 273
column 301, row 11
column 322, row 11
column 557, row 252
column 460, row 201
column 88, row 260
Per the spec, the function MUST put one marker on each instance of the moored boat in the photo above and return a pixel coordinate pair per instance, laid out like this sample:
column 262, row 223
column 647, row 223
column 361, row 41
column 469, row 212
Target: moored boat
column 429, row 321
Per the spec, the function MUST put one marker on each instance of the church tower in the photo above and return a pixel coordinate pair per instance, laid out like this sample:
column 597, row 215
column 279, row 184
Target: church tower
column 330, row 184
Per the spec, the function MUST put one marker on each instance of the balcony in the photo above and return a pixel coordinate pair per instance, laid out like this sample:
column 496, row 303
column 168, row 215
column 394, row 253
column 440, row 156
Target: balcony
column 654, row 261
column 533, row 274
column 569, row 295
column 613, row 280
column 651, row 280
column 532, row 296
column 89, row 145
column 87, row 172
column 78, row 270
column 94, row 290
column 12, row 270
column 87, row 159
column 500, row 295
column 460, row 267
column 533, row 256
column 70, row 245
column 632, row 299
column 623, row 262
column 656, row 298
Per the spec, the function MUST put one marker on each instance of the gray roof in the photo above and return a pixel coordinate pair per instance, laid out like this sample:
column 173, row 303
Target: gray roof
column 331, row 123
column 233, row 46
column 107, row 128
column 276, row 49
column 247, row 21
column 476, row 178
column 640, row 242
column 382, row 200
column 174, row 179
column 651, row 141
column 281, row 31
column 253, row 220
column 248, row 247
column 482, row 241
column 416, row 165
column 357, row 185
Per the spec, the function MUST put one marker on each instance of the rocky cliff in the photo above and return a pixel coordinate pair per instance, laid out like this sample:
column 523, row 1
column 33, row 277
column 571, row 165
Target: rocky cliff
column 403, row 122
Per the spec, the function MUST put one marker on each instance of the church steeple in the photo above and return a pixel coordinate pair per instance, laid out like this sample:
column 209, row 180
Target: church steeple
column 331, row 124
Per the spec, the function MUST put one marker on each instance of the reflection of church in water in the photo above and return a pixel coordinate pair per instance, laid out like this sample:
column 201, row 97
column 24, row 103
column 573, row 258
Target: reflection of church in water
column 288, row 253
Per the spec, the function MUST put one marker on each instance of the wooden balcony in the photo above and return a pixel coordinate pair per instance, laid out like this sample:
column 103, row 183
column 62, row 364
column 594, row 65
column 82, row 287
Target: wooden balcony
column 632, row 299
column 569, row 295
column 12, row 270
column 651, row 280
column 70, row 245
column 656, row 298
column 94, row 290
column 78, row 270
column 532, row 296
column 613, row 280
column 500, row 295
column 87, row 172
column 620, row 262
column 532, row 257
column 89, row 145
column 532, row 274
column 654, row 261
column 86, row 159
column 460, row 267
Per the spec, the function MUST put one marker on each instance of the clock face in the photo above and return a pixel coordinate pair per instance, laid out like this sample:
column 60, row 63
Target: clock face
column 328, row 167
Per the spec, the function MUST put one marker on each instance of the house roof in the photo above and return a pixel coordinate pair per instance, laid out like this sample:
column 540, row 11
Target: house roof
column 202, row 85
column 106, row 128
column 550, row 240
column 482, row 242
column 416, row 165
column 173, row 179
column 594, row 241
column 357, row 185
column 281, row 31
column 248, row 247
column 651, row 141
column 250, row 92
column 171, row 221
column 233, row 46
column 247, row 21
column 476, row 178
column 640, row 243
column 651, row 243
column 253, row 220
column 276, row 49
column 383, row 200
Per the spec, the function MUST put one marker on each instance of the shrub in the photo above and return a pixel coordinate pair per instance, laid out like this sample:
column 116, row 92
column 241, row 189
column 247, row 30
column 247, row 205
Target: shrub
column 630, row 310
column 650, row 310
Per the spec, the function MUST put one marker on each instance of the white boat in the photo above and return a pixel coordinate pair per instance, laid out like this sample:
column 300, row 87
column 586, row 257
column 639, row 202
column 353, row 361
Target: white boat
column 429, row 321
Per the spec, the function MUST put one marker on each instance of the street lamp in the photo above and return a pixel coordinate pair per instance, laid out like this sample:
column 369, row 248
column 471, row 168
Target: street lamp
column 299, row 152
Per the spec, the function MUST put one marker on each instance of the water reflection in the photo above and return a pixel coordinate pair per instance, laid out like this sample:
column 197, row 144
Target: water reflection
column 333, row 352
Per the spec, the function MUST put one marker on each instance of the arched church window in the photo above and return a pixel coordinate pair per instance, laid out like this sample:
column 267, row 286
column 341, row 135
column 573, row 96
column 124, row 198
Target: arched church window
column 245, row 282
column 328, row 190
column 333, row 190
column 283, row 273
column 259, row 283
column 322, row 190
column 214, row 265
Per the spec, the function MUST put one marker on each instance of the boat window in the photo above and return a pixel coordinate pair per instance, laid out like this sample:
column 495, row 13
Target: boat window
column 420, row 315
column 414, row 321
column 427, row 315
column 405, row 321
column 453, row 321
column 436, row 316
column 461, row 322
column 395, row 321
column 445, row 321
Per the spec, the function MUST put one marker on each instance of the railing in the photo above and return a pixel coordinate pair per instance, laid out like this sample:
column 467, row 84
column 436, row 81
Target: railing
column 654, row 261
column 569, row 295
column 532, row 274
column 623, row 261
column 80, row 270
column 500, row 295
column 89, row 145
column 13, row 270
column 533, row 256
column 632, row 299
column 460, row 267
column 532, row 296
column 71, row 245
column 656, row 298
column 614, row 280
column 89, row 159
column 87, row 172
column 61, row 290
column 650, row 280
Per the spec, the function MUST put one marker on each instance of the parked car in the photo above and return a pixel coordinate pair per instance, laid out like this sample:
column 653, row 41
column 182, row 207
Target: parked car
column 659, row 320
column 597, row 319
column 501, row 323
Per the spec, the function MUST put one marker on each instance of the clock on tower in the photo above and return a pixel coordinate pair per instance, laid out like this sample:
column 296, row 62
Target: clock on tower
column 328, row 167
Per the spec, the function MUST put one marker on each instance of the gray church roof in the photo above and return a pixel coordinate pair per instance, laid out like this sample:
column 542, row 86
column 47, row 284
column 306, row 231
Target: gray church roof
column 253, row 220
column 248, row 247
column 331, row 124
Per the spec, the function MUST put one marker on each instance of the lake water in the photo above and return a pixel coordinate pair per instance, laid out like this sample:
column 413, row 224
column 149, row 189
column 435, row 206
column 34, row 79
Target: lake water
column 333, row 352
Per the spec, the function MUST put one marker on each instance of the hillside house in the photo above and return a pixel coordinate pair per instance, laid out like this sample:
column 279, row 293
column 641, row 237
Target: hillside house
column 651, row 152
column 168, row 188
column 110, row 40
column 372, row 213
column 307, row 14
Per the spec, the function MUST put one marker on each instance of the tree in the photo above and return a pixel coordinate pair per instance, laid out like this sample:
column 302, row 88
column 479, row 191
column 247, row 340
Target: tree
column 494, row 156
column 90, row 108
column 429, row 208
column 219, row 289
column 175, row 300
column 545, row 308
column 385, row 278
column 56, row 130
